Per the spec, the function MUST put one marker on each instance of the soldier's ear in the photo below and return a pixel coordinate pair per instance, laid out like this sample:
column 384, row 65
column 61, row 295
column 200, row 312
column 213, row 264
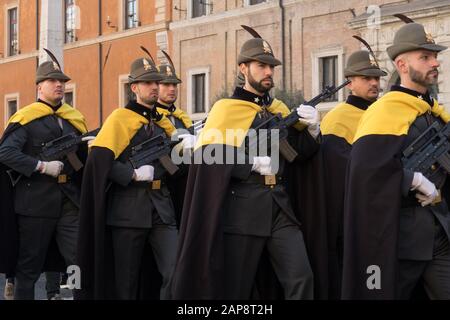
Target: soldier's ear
column 401, row 63
column 133, row 87
column 243, row 68
column 349, row 86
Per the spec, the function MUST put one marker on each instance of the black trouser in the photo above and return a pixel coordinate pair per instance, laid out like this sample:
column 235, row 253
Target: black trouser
column 129, row 245
column 35, row 235
column 434, row 274
column 287, row 253
column 52, row 283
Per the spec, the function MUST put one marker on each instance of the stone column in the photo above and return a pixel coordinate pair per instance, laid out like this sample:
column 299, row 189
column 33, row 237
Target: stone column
column 52, row 30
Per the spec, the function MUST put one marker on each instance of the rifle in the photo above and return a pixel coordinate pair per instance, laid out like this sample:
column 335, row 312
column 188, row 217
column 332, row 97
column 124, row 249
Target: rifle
column 277, row 122
column 156, row 148
column 426, row 155
column 65, row 146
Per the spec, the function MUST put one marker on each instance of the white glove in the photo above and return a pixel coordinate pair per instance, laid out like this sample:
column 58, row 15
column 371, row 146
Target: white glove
column 262, row 165
column 310, row 116
column 52, row 168
column 89, row 139
column 144, row 173
column 427, row 190
column 189, row 141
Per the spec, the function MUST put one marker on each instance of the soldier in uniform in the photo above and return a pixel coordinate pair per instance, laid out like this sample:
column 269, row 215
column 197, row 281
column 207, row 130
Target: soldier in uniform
column 232, row 212
column 168, row 95
column 338, row 128
column 127, row 212
column 396, row 226
column 46, row 193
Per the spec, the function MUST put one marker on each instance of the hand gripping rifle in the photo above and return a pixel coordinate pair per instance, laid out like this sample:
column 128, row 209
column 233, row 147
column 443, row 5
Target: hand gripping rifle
column 277, row 122
column 65, row 147
column 429, row 151
column 156, row 148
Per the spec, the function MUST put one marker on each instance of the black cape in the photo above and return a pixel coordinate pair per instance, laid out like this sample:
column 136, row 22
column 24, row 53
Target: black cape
column 202, row 277
column 306, row 188
column 373, row 195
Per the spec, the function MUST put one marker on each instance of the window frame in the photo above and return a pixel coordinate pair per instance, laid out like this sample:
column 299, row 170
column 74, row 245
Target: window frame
column 10, row 97
column 335, row 73
column 124, row 15
column 8, row 7
column 190, row 8
column 71, row 88
column 190, row 91
column 247, row 3
column 315, row 75
column 74, row 35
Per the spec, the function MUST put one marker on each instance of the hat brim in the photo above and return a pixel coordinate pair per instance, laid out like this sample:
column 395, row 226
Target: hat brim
column 146, row 77
column 57, row 76
column 263, row 58
column 395, row 50
column 171, row 81
column 374, row 72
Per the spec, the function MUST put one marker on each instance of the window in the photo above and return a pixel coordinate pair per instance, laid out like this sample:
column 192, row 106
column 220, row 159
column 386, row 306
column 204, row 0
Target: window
column 198, row 90
column 251, row 2
column 198, row 8
column 70, row 94
column 13, row 31
column 70, row 21
column 11, row 106
column 68, row 98
column 131, row 15
column 328, row 71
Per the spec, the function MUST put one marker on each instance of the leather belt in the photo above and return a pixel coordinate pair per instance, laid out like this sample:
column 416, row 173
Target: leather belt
column 63, row 178
column 153, row 185
column 271, row 180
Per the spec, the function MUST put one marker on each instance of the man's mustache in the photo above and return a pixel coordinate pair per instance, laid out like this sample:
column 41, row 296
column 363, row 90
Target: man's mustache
column 432, row 71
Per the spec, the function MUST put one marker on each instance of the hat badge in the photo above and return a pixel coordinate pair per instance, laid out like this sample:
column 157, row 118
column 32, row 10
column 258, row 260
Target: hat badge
column 169, row 72
column 266, row 47
column 429, row 37
column 373, row 62
column 55, row 66
column 147, row 65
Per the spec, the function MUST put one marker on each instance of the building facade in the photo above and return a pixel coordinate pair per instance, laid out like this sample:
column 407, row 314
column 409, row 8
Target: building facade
column 312, row 37
column 83, row 34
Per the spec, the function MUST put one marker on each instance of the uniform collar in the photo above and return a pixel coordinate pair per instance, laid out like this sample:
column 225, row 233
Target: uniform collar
column 54, row 108
column 149, row 114
column 358, row 102
column 423, row 96
column 242, row 94
column 171, row 108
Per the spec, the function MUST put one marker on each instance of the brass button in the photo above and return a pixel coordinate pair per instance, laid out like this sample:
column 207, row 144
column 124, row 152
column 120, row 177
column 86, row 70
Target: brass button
column 62, row 178
column 156, row 184
column 270, row 180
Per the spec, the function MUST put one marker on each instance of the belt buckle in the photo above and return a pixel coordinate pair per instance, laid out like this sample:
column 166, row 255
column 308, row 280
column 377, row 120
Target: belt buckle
column 62, row 178
column 438, row 199
column 270, row 180
column 156, row 184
